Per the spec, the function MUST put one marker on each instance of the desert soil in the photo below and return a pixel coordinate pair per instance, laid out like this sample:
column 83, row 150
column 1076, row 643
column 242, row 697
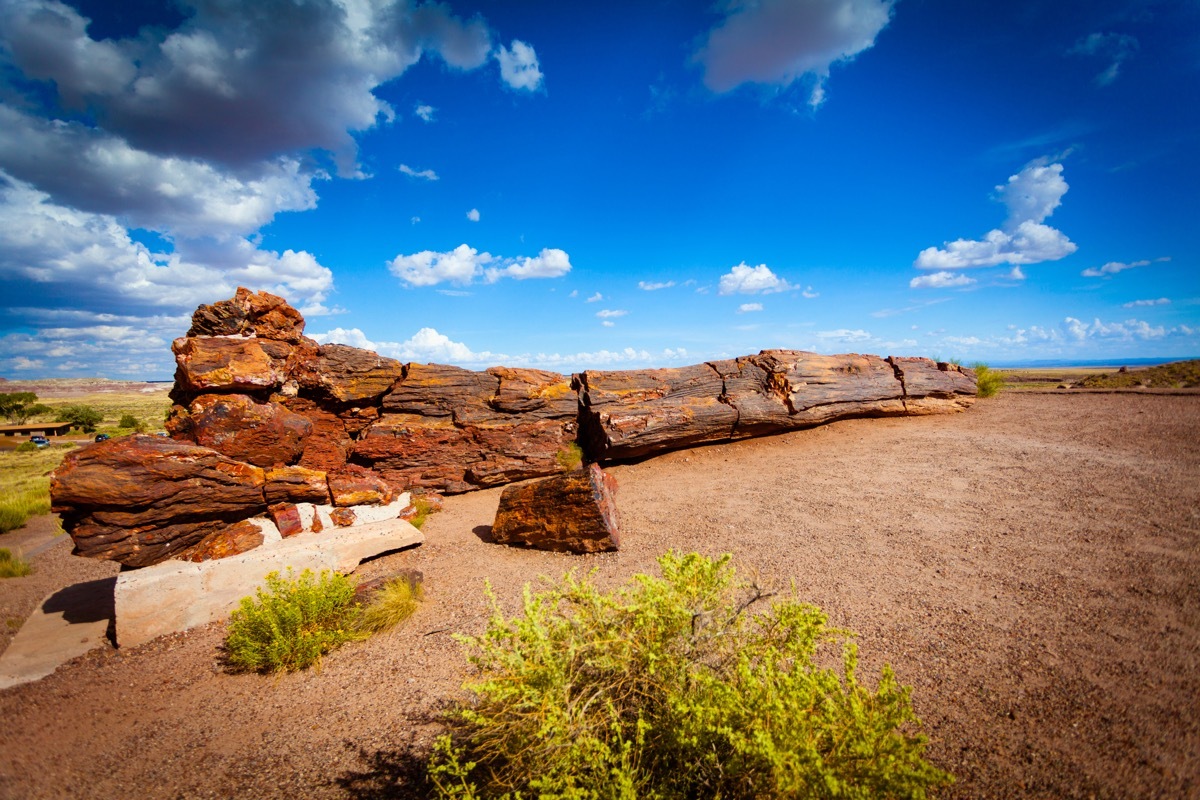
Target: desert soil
column 1031, row 568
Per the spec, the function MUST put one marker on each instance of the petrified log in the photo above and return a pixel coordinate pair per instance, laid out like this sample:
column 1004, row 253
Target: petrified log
column 233, row 540
column 286, row 517
column 296, row 485
column 141, row 499
column 355, row 486
column 347, row 374
column 573, row 513
column 263, row 434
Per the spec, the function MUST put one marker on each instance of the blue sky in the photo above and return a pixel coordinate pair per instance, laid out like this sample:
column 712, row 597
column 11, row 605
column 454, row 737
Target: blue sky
column 616, row 186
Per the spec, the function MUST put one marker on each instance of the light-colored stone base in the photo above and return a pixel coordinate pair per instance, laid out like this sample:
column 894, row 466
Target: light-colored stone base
column 177, row 595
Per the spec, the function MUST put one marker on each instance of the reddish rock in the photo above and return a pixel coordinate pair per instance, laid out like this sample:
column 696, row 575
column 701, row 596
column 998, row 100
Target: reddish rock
column 263, row 434
column 348, row 374
column 249, row 314
column 296, row 485
column 437, row 390
column 343, row 517
column 325, row 448
column 359, row 487
column 287, row 519
column 229, row 541
column 412, row 450
column 140, row 499
column 228, row 364
column 534, row 393
column 573, row 513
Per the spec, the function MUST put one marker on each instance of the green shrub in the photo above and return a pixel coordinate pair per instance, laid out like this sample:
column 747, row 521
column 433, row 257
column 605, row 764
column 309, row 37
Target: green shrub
column 81, row 416
column 11, row 566
column 26, row 447
column 424, row 509
column 395, row 602
column 128, row 421
column 670, row 688
column 292, row 623
column 988, row 382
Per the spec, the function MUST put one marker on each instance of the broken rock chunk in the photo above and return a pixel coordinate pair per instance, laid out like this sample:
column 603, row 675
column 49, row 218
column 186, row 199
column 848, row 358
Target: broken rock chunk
column 572, row 513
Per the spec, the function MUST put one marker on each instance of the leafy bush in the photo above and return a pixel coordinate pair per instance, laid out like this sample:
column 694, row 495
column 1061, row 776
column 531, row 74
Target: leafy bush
column 292, row 623
column 11, row 566
column 128, row 421
column 988, row 382
column 670, row 688
column 81, row 416
column 395, row 602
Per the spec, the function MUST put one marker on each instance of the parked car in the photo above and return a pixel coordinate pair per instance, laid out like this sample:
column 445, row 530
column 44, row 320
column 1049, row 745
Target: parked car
column 40, row 441
column 101, row 437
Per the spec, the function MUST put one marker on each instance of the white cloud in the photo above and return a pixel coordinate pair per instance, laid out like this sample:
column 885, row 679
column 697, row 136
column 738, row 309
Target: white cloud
column 608, row 323
column 1031, row 196
column 550, row 263
column 844, row 336
column 473, row 215
column 1162, row 301
column 648, row 286
column 414, row 220
column 809, row 294
column 596, row 298
column 611, row 313
column 425, row 112
column 747, row 307
column 1016, row 274
column 352, row 336
column 1129, row 330
column 1116, row 48
column 425, row 174
column 940, row 280
column 778, row 42
column 744, row 279
column 464, row 264
column 427, row 268
column 519, row 66
column 1112, row 268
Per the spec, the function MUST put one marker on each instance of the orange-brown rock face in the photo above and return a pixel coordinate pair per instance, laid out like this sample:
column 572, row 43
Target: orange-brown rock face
column 260, row 314
column 141, row 499
column 240, row 537
column 263, row 434
column 296, row 485
column 572, row 513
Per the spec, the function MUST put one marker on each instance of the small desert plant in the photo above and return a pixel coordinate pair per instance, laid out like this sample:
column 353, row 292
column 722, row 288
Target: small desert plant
column 987, row 381
column 570, row 458
column 671, row 688
column 128, row 421
column 424, row 509
column 11, row 566
column 292, row 623
column 395, row 602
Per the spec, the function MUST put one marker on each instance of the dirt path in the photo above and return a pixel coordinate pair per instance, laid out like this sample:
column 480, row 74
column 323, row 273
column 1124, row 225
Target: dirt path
column 1030, row 567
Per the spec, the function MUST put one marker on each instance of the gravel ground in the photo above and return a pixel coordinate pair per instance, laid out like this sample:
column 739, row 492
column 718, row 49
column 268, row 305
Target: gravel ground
column 1029, row 567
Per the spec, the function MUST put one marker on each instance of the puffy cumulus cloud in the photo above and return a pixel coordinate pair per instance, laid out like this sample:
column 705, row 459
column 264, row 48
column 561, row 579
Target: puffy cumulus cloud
column 611, row 313
column 350, row 336
column 651, row 286
column 777, row 42
column 73, row 343
column 1115, row 48
column 744, row 279
column 1031, row 196
column 423, row 174
column 519, row 66
column 464, row 264
column 224, row 85
column 1129, row 330
column 1161, row 301
column 427, row 268
column 746, row 308
column 940, row 280
column 473, row 215
column 426, row 113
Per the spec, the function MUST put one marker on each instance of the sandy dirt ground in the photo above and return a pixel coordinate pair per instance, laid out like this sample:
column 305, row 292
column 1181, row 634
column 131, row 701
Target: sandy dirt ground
column 1031, row 568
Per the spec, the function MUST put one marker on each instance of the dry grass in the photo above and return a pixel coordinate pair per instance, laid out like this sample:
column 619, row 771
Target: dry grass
column 25, row 483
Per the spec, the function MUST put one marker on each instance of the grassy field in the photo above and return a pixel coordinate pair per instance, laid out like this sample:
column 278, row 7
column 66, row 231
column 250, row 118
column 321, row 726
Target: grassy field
column 1177, row 375
column 25, row 483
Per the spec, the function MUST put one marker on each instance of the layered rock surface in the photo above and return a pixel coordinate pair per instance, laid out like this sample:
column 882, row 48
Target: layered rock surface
column 264, row 415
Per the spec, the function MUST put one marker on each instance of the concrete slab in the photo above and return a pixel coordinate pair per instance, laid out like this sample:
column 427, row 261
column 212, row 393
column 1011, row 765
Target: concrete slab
column 177, row 595
column 65, row 625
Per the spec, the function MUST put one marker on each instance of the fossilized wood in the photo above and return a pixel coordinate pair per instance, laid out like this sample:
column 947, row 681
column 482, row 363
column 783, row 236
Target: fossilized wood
column 573, row 513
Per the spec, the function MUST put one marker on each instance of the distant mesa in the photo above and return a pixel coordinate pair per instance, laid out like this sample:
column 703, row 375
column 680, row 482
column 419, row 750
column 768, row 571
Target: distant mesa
column 263, row 413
